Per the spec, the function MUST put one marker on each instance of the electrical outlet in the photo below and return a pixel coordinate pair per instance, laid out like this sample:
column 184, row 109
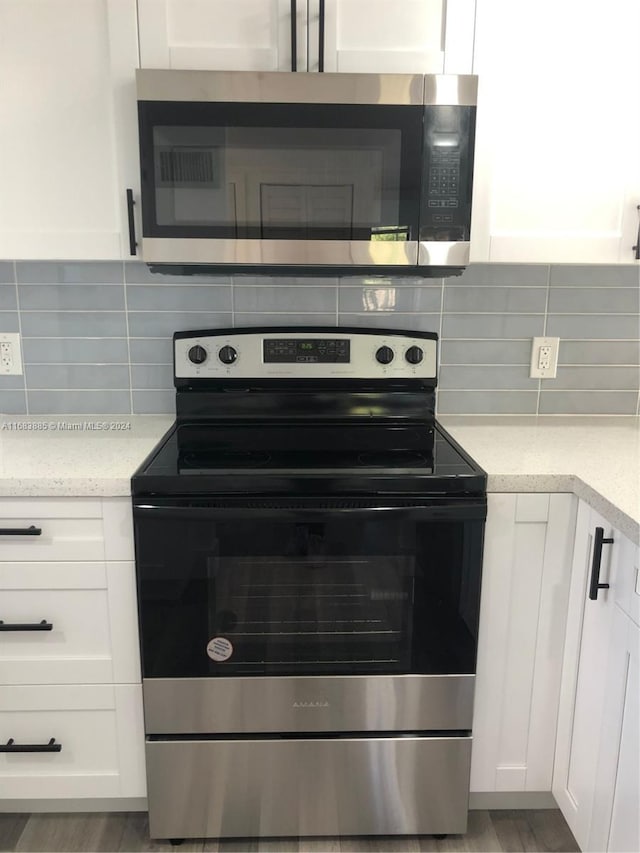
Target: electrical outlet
column 10, row 355
column 544, row 358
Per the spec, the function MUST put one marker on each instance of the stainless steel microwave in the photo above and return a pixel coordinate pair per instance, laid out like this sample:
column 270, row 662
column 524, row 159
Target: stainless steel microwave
column 300, row 171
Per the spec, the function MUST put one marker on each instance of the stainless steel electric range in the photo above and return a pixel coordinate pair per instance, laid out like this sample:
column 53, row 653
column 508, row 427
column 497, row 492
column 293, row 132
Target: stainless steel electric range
column 309, row 552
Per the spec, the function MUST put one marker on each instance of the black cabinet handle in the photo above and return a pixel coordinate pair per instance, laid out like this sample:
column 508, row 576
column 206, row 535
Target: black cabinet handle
column 598, row 541
column 636, row 248
column 132, row 224
column 26, row 626
column 21, row 531
column 294, row 35
column 12, row 746
column 321, row 38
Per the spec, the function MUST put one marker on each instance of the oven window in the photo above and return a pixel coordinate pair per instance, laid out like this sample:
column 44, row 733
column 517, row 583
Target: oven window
column 335, row 596
column 269, row 171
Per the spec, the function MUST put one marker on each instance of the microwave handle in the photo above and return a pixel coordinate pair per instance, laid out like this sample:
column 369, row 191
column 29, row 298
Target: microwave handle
column 636, row 248
column 132, row 225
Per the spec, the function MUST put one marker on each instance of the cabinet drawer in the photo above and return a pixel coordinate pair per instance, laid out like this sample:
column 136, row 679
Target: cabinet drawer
column 90, row 635
column 99, row 729
column 51, row 530
column 73, row 646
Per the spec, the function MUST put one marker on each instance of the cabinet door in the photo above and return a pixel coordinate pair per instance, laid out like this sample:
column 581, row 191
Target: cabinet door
column 525, row 586
column 558, row 133
column 247, row 35
column 378, row 36
column 68, row 133
column 615, row 823
column 584, row 677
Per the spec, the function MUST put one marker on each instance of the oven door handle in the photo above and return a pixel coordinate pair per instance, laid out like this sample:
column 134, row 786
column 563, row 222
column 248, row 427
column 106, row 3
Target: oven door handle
column 438, row 510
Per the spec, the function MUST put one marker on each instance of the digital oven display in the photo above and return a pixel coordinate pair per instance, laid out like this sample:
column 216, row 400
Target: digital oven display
column 309, row 350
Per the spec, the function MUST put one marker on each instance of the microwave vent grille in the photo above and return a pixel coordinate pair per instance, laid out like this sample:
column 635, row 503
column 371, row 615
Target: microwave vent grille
column 187, row 167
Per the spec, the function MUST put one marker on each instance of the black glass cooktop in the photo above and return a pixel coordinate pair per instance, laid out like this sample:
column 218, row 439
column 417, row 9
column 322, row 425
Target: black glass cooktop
column 223, row 453
column 303, row 446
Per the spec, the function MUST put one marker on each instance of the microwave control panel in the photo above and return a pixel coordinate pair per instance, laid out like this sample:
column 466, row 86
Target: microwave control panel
column 445, row 214
column 308, row 354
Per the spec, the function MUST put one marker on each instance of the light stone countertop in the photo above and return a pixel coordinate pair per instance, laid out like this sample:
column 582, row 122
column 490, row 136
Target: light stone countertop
column 597, row 458
column 58, row 455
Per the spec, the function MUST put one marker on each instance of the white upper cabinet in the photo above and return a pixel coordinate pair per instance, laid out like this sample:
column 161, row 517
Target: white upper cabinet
column 558, row 133
column 373, row 36
column 246, row 35
column 68, row 133
column 379, row 36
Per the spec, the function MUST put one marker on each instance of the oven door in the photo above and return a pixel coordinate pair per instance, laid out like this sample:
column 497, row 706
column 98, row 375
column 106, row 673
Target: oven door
column 287, row 602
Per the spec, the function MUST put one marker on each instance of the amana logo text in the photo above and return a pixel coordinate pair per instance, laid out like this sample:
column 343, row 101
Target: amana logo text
column 323, row 704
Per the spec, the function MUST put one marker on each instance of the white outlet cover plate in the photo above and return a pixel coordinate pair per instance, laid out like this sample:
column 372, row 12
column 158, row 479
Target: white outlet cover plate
column 550, row 372
column 13, row 365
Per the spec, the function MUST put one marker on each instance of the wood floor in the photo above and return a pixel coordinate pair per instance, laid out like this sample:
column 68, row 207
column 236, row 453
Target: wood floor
column 531, row 830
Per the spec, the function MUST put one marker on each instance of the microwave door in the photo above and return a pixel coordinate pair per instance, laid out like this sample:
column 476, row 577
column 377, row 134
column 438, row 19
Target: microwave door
column 305, row 184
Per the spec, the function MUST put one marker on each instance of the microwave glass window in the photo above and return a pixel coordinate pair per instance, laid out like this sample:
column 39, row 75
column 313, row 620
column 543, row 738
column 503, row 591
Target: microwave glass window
column 275, row 182
column 271, row 172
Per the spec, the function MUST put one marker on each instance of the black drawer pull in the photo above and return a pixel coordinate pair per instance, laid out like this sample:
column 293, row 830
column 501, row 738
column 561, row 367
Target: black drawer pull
column 598, row 541
column 21, row 531
column 26, row 626
column 12, row 746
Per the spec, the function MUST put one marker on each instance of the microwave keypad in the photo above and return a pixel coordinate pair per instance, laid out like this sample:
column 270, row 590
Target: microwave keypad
column 444, row 178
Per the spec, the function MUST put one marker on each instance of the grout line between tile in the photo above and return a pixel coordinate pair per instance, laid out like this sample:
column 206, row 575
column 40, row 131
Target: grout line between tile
column 24, row 368
column 233, row 303
column 126, row 320
column 544, row 333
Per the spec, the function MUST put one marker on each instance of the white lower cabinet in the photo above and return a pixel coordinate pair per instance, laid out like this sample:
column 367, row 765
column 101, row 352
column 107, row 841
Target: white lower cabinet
column 98, row 727
column 615, row 821
column 597, row 767
column 525, row 588
column 69, row 654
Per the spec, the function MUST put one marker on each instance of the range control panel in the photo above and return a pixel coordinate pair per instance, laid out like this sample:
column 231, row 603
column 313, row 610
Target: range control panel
column 312, row 354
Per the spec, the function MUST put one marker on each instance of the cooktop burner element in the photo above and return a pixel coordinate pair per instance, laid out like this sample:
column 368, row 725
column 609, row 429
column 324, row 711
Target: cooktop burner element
column 192, row 460
column 394, row 459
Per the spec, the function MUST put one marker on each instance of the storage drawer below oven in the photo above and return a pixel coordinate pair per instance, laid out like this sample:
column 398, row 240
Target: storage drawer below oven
column 323, row 786
column 303, row 704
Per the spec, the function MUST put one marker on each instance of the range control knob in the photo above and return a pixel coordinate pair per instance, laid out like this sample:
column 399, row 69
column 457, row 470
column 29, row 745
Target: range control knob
column 197, row 354
column 384, row 355
column 228, row 355
column 414, row 355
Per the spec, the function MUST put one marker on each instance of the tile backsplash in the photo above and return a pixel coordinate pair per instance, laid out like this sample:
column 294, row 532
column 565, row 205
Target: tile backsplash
column 96, row 336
